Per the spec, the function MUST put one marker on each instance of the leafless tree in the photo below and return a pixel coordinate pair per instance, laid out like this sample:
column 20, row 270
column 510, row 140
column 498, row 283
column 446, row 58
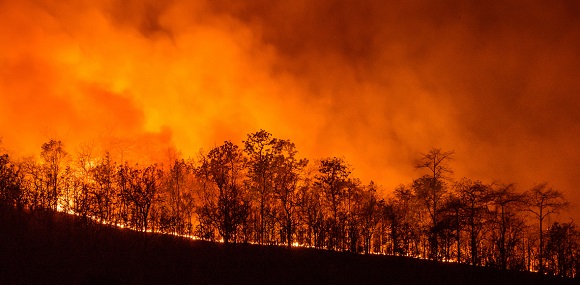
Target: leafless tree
column 506, row 203
column 543, row 201
column 474, row 197
column 431, row 188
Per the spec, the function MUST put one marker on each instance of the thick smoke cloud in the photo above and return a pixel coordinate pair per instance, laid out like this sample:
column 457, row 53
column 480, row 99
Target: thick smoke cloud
column 376, row 81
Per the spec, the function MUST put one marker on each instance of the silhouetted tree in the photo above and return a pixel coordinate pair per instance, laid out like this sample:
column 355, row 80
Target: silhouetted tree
column 543, row 201
column 262, row 153
column 562, row 249
column 11, row 193
column 76, row 194
column 506, row 203
column 333, row 179
column 431, row 188
column 139, row 190
column 352, row 213
column 53, row 155
column 34, row 185
column 370, row 214
column 177, row 212
column 78, row 188
column 286, row 178
column 394, row 216
column 404, row 214
column 271, row 196
column 474, row 198
column 450, row 225
column 311, row 211
column 103, row 174
column 227, row 209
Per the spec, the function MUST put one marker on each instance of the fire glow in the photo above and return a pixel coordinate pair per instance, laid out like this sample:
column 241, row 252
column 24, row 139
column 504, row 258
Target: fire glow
column 376, row 83
column 139, row 77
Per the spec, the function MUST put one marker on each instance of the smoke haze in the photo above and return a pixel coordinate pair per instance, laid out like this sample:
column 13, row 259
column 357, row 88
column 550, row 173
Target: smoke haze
column 377, row 82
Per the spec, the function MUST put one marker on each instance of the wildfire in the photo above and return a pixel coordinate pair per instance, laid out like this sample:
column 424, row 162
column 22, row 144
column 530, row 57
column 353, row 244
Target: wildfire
column 149, row 83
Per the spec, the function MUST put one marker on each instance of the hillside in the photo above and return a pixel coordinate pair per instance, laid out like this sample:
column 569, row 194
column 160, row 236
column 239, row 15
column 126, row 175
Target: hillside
column 51, row 248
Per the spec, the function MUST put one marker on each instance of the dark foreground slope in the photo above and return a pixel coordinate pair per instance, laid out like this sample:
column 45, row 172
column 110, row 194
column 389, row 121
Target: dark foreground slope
column 57, row 248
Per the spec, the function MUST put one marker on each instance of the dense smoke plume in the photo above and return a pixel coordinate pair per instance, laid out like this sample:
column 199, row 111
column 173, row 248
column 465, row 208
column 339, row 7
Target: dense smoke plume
column 377, row 82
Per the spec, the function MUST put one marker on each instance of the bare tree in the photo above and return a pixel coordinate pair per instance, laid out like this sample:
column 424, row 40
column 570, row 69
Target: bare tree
column 431, row 188
column 543, row 201
column 506, row 203
column 266, row 194
column 437, row 162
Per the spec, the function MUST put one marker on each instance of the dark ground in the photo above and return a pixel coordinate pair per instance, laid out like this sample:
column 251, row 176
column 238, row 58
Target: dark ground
column 56, row 248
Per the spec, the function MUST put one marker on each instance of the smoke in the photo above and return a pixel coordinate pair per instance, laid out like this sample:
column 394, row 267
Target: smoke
column 377, row 82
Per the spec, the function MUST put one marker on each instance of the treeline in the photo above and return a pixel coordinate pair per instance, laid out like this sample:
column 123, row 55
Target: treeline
column 262, row 192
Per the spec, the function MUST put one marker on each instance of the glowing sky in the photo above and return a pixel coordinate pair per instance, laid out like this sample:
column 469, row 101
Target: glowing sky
column 377, row 82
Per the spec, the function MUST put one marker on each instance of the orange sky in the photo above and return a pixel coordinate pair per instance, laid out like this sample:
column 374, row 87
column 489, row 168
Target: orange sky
column 377, row 82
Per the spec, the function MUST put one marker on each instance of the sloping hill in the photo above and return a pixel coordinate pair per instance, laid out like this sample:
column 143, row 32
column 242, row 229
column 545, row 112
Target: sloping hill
column 54, row 248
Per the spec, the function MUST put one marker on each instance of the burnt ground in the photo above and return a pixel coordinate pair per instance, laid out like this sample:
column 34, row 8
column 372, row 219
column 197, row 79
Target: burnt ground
column 54, row 248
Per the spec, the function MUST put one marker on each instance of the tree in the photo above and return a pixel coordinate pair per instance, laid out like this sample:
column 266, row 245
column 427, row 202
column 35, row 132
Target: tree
column 370, row 210
column 506, row 202
column 104, row 190
column 543, row 201
column 53, row 156
column 139, row 191
column 286, row 178
column 77, row 194
column 474, row 197
column 352, row 215
column 262, row 153
column 333, row 179
column 451, row 223
column 431, row 187
column 562, row 249
column 11, row 193
column 311, row 210
column 34, row 185
column 402, row 215
column 227, row 209
column 180, row 200
column 11, row 182
column 437, row 163
column 393, row 212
